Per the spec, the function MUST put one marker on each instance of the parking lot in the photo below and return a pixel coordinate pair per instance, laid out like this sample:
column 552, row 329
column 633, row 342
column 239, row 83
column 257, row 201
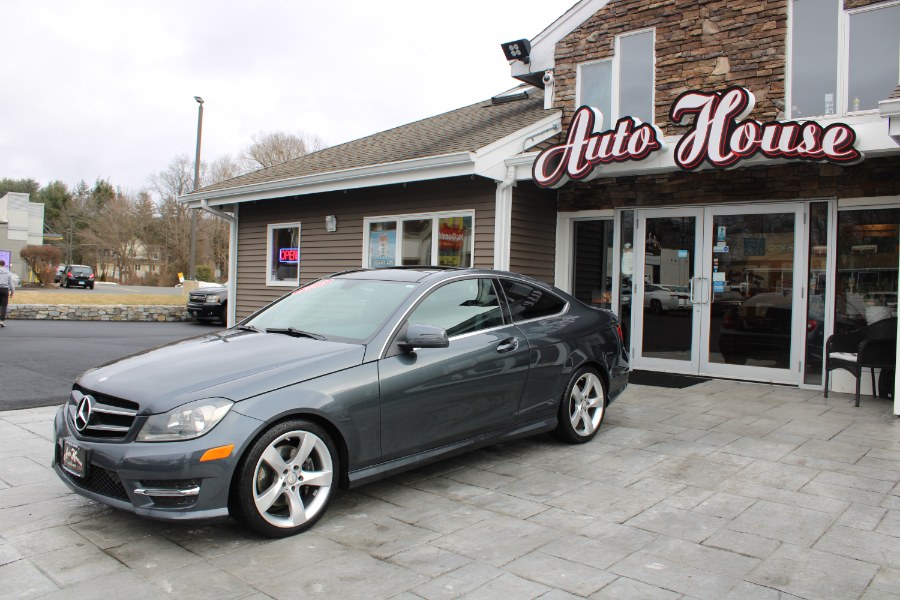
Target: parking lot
column 719, row 490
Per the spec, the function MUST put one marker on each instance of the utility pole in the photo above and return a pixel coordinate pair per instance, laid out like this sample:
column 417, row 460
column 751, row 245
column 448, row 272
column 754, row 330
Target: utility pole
column 193, row 260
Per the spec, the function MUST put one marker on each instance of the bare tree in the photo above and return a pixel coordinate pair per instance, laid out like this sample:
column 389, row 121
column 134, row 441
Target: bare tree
column 270, row 149
column 222, row 169
column 114, row 230
column 175, row 217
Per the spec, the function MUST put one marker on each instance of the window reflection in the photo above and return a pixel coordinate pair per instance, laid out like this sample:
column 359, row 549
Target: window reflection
column 867, row 258
column 593, row 262
column 417, row 242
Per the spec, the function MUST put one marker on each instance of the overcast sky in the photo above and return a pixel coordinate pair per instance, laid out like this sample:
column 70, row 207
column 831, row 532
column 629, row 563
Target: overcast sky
column 95, row 89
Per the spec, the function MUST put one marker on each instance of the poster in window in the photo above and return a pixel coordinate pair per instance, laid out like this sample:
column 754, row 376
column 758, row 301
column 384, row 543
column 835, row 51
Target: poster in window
column 451, row 238
column 382, row 249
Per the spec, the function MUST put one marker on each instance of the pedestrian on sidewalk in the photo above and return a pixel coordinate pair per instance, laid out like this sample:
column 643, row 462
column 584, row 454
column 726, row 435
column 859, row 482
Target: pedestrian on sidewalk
column 7, row 289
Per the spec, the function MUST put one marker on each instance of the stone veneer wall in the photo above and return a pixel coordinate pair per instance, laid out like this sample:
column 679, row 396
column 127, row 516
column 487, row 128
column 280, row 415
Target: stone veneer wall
column 64, row 312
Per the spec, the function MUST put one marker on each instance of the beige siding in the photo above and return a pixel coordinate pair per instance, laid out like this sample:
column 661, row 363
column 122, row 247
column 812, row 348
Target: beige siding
column 533, row 232
column 323, row 253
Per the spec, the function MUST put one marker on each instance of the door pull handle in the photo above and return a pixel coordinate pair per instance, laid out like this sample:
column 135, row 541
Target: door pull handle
column 508, row 345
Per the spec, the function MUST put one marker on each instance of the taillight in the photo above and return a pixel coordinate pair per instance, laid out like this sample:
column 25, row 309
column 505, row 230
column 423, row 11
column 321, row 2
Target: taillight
column 91, row 276
column 621, row 335
column 811, row 325
column 69, row 274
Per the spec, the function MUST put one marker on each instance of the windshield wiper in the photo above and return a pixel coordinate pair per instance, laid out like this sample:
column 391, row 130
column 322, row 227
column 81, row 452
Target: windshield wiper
column 248, row 328
column 294, row 332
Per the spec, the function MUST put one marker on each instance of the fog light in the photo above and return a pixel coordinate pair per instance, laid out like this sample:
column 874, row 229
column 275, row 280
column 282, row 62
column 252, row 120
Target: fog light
column 217, row 453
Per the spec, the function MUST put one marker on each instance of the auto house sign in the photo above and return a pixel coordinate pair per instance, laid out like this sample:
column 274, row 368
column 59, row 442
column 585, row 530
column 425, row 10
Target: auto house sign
column 720, row 135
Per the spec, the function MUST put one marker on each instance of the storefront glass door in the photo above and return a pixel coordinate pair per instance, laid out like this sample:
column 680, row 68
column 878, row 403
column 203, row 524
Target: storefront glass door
column 717, row 291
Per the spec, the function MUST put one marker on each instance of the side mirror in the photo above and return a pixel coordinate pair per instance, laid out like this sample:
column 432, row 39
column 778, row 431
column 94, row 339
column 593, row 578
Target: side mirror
column 424, row 336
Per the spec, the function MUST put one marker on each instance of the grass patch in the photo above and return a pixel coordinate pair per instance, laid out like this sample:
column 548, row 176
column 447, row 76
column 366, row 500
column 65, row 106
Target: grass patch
column 93, row 298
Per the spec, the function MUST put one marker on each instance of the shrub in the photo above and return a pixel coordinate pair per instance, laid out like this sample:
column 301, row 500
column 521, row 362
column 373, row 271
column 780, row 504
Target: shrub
column 205, row 273
column 42, row 261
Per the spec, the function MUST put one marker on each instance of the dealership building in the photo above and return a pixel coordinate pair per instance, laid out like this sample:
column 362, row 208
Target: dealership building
column 725, row 176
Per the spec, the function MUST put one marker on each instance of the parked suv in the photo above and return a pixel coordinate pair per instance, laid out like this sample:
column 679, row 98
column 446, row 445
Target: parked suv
column 209, row 303
column 77, row 276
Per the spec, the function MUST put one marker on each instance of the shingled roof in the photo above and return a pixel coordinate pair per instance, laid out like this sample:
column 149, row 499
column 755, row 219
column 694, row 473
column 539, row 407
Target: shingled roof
column 466, row 129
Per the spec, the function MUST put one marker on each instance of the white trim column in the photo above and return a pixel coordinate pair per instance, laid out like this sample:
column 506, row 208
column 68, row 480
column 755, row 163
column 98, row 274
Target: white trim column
column 503, row 220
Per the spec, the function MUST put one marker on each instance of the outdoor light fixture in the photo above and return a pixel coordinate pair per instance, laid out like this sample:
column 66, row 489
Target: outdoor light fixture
column 518, row 50
column 330, row 223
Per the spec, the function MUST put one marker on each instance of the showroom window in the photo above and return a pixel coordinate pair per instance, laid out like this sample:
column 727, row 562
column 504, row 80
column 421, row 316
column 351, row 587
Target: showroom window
column 444, row 239
column 623, row 85
column 867, row 259
column 283, row 254
column 842, row 61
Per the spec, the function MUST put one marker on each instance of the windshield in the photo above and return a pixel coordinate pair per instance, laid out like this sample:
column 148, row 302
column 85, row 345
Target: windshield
column 351, row 310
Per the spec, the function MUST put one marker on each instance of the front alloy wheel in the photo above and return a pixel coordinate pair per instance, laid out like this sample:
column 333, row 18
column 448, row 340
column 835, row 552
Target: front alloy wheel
column 582, row 408
column 286, row 480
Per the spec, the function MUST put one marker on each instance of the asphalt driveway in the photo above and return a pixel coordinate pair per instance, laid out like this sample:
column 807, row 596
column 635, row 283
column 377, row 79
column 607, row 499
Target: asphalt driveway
column 39, row 360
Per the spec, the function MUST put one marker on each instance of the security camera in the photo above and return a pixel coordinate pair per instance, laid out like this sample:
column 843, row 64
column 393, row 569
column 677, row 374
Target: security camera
column 548, row 76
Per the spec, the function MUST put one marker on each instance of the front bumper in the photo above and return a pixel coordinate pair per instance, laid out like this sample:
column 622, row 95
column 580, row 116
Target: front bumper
column 205, row 311
column 161, row 480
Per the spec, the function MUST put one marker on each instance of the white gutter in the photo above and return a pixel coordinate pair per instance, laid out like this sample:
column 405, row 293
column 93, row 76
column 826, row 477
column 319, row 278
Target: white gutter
column 432, row 167
column 503, row 220
column 232, row 256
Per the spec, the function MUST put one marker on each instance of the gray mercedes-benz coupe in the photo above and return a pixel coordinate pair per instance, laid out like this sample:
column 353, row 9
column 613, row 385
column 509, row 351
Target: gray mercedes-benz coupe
column 342, row 381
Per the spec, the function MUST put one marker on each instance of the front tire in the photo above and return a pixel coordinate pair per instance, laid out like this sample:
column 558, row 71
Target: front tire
column 582, row 408
column 285, row 482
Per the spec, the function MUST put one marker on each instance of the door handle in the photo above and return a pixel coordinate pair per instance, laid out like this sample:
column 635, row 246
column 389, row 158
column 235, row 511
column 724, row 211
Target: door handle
column 508, row 345
column 693, row 279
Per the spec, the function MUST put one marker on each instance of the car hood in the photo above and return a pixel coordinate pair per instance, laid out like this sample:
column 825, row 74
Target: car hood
column 231, row 364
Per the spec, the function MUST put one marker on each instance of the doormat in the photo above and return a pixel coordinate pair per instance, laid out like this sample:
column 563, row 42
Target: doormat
column 666, row 380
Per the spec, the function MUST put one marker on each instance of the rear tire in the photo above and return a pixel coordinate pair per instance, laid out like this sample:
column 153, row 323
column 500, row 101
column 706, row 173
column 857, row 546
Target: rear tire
column 285, row 481
column 582, row 407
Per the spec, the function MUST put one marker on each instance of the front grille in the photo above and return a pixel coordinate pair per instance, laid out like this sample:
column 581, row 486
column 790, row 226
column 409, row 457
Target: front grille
column 108, row 418
column 201, row 298
column 100, row 481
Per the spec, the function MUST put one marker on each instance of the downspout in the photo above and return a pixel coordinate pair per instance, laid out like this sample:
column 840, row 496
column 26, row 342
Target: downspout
column 503, row 220
column 232, row 219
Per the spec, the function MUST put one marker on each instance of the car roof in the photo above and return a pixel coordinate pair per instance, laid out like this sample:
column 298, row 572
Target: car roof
column 421, row 273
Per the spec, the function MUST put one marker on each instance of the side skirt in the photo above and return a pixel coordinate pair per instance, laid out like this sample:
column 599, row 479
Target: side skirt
column 363, row 476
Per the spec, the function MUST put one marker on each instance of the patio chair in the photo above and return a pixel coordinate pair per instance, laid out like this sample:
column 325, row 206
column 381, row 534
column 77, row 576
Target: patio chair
column 871, row 347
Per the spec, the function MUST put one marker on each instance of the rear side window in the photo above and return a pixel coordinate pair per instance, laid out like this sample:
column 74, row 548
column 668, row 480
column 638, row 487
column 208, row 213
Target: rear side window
column 528, row 301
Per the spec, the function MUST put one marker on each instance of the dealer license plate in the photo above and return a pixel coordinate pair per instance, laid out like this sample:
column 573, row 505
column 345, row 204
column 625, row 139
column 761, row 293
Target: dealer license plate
column 74, row 459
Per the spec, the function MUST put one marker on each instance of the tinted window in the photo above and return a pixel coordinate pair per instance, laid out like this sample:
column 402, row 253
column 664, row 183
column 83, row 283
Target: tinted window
column 529, row 301
column 461, row 307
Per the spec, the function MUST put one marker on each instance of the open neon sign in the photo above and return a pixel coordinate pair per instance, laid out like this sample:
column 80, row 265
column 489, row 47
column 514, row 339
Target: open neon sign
column 289, row 256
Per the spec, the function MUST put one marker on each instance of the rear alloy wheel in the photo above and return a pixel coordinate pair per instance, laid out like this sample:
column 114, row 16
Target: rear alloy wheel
column 582, row 408
column 656, row 307
column 286, row 481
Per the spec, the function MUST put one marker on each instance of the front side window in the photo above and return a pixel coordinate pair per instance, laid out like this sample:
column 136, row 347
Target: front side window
column 461, row 307
column 283, row 257
column 419, row 240
column 528, row 301
column 869, row 39
column 622, row 86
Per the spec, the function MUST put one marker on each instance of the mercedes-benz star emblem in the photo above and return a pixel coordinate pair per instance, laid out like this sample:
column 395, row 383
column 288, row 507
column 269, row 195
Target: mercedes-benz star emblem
column 83, row 413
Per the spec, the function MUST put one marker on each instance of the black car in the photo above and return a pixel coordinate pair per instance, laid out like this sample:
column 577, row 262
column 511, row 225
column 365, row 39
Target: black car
column 209, row 303
column 343, row 381
column 77, row 276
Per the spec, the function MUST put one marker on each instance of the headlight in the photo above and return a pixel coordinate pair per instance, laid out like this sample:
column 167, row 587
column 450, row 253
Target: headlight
column 212, row 299
column 186, row 422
